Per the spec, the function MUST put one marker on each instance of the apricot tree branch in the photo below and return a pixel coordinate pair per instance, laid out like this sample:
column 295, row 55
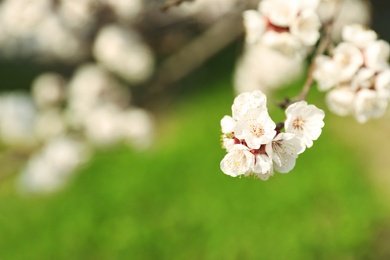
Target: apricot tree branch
column 322, row 47
column 170, row 3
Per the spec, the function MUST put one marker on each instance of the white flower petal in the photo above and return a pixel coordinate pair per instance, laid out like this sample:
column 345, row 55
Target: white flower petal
column 349, row 59
column 305, row 121
column 255, row 26
column 228, row 143
column 365, row 78
column 238, row 161
column 359, row 35
column 284, row 42
column 306, row 27
column 369, row 104
column 377, row 54
column 340, row 100
column 248, row 100
column 382, row 83
column 326, row 73
column 228, row 124
column 263, row 167
column 279, row 12
column 286, row 148
column 256, row 128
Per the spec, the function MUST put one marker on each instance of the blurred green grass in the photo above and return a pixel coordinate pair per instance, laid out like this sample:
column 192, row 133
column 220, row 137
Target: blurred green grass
column 173, row 202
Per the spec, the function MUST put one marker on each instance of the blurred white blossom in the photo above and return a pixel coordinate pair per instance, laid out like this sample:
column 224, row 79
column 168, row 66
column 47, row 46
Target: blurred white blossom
column 52, row 167
column 137, row 127
column 347, row 12
column 290, row 27
column 356, row 74
column 124, row 9
column 102, row 125
column 260, row 68
column 206, row 11
column 17, row 116
column 49, row 90
column 49, row 123
column 123, row 52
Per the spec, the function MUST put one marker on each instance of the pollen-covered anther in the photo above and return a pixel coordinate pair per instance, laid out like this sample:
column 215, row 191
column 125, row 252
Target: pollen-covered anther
column 258, row 130
column 298, row 123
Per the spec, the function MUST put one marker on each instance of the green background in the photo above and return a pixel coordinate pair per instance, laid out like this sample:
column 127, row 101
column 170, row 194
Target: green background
column 173, row 201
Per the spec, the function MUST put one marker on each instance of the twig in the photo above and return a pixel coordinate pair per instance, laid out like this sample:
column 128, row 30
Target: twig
column 194, row 54
column 170, row 3
column 322, row 46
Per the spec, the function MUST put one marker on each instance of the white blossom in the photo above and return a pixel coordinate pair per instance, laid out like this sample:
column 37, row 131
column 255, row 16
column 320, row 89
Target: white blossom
column 284, row 42
column 48, row 90
column 280, row 12
column 246, row 101
column 124, row 9
column 17, row 116
column 382, row 83
column 348, row 59
column 358, row 35
column 255, row 26
column 228, row 124
column 306, row 27
column 228, row 143
column 326, row 73
column 284, row 150
column 376, row 55
column 238, row 161
column 256, row 128
column 287, row 26
column 78, row 14
column 365, row 78
column 369, row 104
column 91, row 87
column 123, row 52
column 103, row 125
column 52, row 167
column 340, row 100
column 205, row 11
column 271, row 63
column 305, row 121
column 55, row 41
column 28, row 14
column 49, row 124
column 348, row 12
column 308, row 4
column 255, row 146
column 263, row 167
column 137, row 127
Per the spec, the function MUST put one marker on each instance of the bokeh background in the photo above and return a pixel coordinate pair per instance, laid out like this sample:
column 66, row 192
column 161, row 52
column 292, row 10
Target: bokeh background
column 169, row 199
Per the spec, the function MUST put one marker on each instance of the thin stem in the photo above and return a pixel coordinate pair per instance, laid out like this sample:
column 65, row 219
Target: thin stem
column 170, row 3
column 322, row 47
column 324, row 44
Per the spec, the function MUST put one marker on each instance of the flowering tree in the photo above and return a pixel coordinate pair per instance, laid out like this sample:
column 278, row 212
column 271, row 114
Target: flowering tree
column 355, row 73
column 111, row 48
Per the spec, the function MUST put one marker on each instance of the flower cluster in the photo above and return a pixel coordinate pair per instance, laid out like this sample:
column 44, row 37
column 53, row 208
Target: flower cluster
column 62, row 121
column 357, row 74
column 289, row 26
column 256, row 146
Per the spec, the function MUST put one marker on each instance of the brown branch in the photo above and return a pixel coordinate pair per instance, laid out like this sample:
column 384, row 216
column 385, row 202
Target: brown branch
column 195, row 53
column 322, row 47
column 170, row 3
